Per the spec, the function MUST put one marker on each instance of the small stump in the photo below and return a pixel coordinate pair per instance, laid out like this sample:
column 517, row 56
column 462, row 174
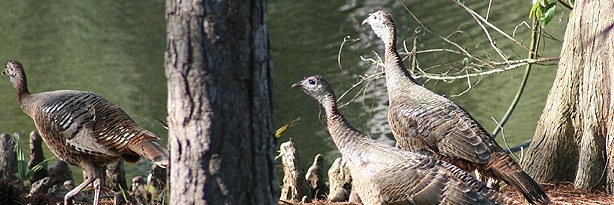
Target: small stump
column 340, row 181
column 294, row 187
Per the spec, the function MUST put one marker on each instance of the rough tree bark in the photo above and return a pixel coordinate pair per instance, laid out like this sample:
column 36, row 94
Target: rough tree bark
column 574, row 138
column 219, row 103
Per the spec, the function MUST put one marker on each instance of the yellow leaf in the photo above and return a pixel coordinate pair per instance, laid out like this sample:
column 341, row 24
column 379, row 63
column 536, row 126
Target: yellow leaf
column 287, row 126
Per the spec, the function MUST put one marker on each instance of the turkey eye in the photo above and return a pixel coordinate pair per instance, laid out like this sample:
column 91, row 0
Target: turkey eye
column 311, row 81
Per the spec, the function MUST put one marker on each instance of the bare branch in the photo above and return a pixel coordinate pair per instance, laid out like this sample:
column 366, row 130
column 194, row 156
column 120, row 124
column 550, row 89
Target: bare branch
column 468, row 84
column 346, row 39
column 509, row 65
column 505, row 140
column 467, row 67
column 565, row 4
column 476, row 15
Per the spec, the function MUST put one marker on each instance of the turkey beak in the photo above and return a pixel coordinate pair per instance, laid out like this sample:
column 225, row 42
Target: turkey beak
column 366, row 21
column 298, row 84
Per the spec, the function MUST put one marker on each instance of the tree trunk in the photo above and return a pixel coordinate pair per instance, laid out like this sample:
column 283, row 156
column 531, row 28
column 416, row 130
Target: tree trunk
column 573, row 138
column 219, row 103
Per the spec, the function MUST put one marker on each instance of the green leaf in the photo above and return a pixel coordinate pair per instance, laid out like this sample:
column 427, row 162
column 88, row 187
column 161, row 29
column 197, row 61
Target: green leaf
column 23, row 173
column 534, row 8
column 22, row 164
column 124, row 194
column 548, row 15
column 38, row 167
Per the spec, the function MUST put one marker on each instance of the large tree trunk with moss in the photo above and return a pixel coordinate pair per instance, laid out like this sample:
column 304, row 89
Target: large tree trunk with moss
column 219, row 103
column 574, row 136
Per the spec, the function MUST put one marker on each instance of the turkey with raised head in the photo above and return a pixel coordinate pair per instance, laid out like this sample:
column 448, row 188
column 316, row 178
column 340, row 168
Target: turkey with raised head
column 425, row 122
column 84, row 129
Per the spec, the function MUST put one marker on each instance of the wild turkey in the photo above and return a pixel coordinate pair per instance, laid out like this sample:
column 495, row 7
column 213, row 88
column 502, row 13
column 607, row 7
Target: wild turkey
column 428, row 123
column 383, row 174
column 85, row 130
column 315, row 178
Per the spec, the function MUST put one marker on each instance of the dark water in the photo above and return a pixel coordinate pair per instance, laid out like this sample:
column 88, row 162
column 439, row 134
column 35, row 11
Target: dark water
column 116, row 49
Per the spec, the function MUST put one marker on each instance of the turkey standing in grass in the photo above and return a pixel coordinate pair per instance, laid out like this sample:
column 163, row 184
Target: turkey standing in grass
column 85, row 130
column 383, row 174
column 425, row 122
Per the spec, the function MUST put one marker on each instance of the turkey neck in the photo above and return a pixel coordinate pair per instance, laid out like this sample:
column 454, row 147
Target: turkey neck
column 20, row 84
column 397, row 75
column 343, row 134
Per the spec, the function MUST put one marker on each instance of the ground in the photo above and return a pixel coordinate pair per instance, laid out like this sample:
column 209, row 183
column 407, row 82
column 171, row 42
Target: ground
column 560, row 194
column 564, row 193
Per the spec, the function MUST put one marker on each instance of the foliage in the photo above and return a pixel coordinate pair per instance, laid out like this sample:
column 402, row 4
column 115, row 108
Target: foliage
column 124, row 193
column 23, row 173
column 544, row 10
column 284, row 128
column 161, row 195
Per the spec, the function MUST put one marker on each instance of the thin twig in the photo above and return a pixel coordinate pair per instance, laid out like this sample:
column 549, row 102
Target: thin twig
column 512, row 65
column 566, row 5
column 473, row 13
column 345, row 40
column 412, row 15
column 524, row 23
column 491, row 40
column 505, row 139
column 460, row 48
column 468, row 85
column 488, row 10
column 367, row 79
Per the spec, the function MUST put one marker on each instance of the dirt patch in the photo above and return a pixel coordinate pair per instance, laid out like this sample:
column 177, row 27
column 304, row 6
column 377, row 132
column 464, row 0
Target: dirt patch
column 565, row 193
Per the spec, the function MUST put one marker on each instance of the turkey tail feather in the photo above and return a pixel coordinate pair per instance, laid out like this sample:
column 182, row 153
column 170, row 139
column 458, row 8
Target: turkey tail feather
column 150, row 149
column 510, row 172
